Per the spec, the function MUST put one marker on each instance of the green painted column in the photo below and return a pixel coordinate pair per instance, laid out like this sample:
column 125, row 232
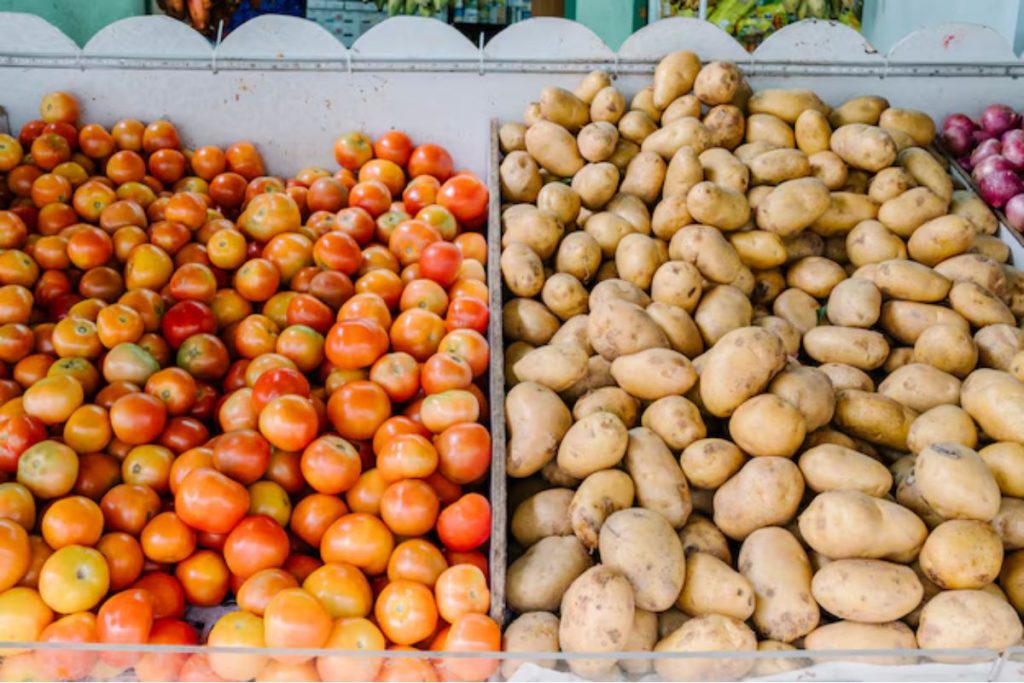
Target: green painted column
column 78, row 19
column 612, row 20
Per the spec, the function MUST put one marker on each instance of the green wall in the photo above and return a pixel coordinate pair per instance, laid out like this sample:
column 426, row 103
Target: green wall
column 612, row 20
column 78, row 19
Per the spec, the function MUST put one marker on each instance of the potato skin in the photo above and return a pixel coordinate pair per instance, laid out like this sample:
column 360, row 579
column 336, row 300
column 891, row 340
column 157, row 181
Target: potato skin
column 538, row 579
column 765, row 492
column 962, row 553
column 738, row 367
column 643, row 547
column 995, row 400
column 810, row 391
column 786, row 104
column 537, row 421
column 850, row 524
column 599, row 495
column 873, row 417
column 541, row 515
column 619, row 328
column 555, row 366
column 793, row 206
column 674, row 76
column 863, row 349
column 831, row 467
column 660, row 483
column 554, row 148
column 654, row 373
column 968, row 619
column 596, row 616
column 921, row 387
column 530, row 632
column 777, row 567
column 870, row 591
column 956, row 482
column 595, row 443
column 713, row 632
column 852, row 635
column 767, row 425
column 713, row 587
column 862, row 146
column 1006, row 461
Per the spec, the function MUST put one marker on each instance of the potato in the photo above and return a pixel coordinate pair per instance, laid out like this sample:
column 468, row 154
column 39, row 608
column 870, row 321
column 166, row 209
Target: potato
column 942, row 424
column 916, row 124
column 793, row 206
column 854, row 303
column 759, row 249
column 677, row 283
column 680, row 329
column 778, row 166
column 869, row 591
column 706, row 248
column 765, row 492
column 1009, row 523
column 512, row 137
column 969, row 205
column 851, row 524
column 865, row 109
column 713, row 587
column 962, row 553
column 831, row 467
column 815, row 275
column 846, row 210
column 536, row 229
column 716, row 205
column 670, row 620
column 674, row 76
column 596, row 184
column 709, row 463
column 1006, row 461
column 956, row 482
column 513, row 353
column 559, row 201
column 654, row 373
column 519, row 177
column 898, row 357
column 597, row 615
column 564, row 108
column 992, row 247
column 615, row 288
column 537, row 580
column 633, row 210
column 637, row 258
column 685, row 105
column 554, row 148
column 738, row 367
column 852, row 635
column 683, row 172
column 786, row 104
column 981, row 270
column 644, row 101
column 726, row 125
column 532, row 114
column 780, row 573
column 910, row 281
column 767, row 425
column 939, row 239
column 642, row 546
column 608, row 399
column 809, row 390
column 890, row 183
column 578, row 255
column 537, row 421
column 721, row 310
column 624, row 152
column 717, row 83
column 863, row 349
column 617, row 328
column 968, row 619
column 635, row 127
column 530, row 632
column 528, row 321
column 713, row 633
column 687, row 131
column 592, row 83
column 608, row 106
column 776, row 666
column 905, row 213
column 660, row 484
column 863, row 146
column 927, row 171
column 812, row 132
column 871, row 242
column 921, row 387
column 644, row 177
column 555, row 366
column 541, row 515
column 746, row 152
column 522, row 270
column 554, row 476
column 723, row 169
column 906, row 320
column 995, row 400
column 827, row 167
column 769, row 130
column 599, row 495
column 997, row 345
column 873, row 417
column 948, row 348
column 768, row 284
column 978, row 305
column 699, row 535
column 1012, row 579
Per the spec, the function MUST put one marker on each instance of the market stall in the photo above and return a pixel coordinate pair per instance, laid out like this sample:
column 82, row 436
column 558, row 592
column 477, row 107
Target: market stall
column 291, row 88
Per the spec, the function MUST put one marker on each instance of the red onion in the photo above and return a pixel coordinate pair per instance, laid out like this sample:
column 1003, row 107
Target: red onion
column 957, row 140
column 985, row 149
column 1013, row 147
column 996, row 162
column 965, row 163
column 958, row 121
column 1015, row 211
column 998, row 118
column 981, row 136
column 998, row 187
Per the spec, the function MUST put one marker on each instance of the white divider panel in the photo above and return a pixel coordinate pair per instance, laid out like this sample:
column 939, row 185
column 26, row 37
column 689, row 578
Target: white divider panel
column 282, row 37
column 420, row 38
column 30, row 35
column 682, row 33
column 286, row 82
column 815, row 40
column 150, row 36
column 953, row 43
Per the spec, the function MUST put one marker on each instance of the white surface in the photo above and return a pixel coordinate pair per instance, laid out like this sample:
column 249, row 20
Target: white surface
column 682, row 33
column 817, row 41
column 887, row 21
column 283, row 37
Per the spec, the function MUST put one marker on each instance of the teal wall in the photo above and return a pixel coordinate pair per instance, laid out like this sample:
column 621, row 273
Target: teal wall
column 612, row 20
column 79, row 19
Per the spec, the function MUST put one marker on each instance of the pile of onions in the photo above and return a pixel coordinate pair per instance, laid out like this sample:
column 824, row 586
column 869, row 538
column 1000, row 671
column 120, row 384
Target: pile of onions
column 992, row 149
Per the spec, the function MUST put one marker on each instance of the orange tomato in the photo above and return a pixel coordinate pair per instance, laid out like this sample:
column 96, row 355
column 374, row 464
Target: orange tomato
column 347, row 635
column 237, row 629
column 166, row 539
column 359, row 539
column 128, row 507
column 471, row 633
column 409, row 507
column 48, row 469
column 365, row 495
column 68, row 664
column 417, row 332
column 405, row 612
column 15, row 553
column 208, row 501
column 74, row 579
column 331, row 464
column 416, row 560
column 269, row 498
column 407, row 456
column 352, row 150
column 460, row 590
column 257, row 542
column 17, row 504
column 124, row 558
column 204, row 578
column 358, row 408
column 75, row 520
column 289, row 422
column 295, row 619
column 341, row 588
column 23, row 615
column 257, row 590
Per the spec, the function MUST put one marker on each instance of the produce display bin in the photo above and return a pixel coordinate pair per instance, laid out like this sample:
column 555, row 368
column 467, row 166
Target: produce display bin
column 291, row 86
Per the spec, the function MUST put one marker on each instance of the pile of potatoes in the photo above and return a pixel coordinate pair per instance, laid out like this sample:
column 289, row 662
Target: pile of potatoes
column 765, row 380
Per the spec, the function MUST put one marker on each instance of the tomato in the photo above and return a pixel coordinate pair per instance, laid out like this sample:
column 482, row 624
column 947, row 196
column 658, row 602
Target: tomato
column 15, row 553
column 18, row 505
column 166, row 666
column 74, row 579
column 295, row 619
column 48, row 469
column 471, row 633
column 270, row 214
column 257, row 542
column 444, row 371
column 128, row 507
column 467, row 198
column 347, row 635
column 431, row 160
column 416, row 560
column 166, row 539
column 395, row 426
column 242, row 455
column 203, row 356
column 124, row 558
column 410, row 238
column 257, row 590
column 424, row 294
column 269, row 498
column 460, row 590
column 70, row 663
column 240, row 630
column 207, row 500
column 395, row 146
column 466, row 523
column 204, row 578
column 342, row 589
column 352, row 150
column 23, row 615
column 358, row 408
column 17, row 434
column 289, row 422
column 371, row 195
column 450, row 407
column 138, row 418
column 409, row 507
column 54, row 399
column 417, row 332
column 406, row 612
column 11, row 153
column 352, row 344
column 74, row 520
column 330, row 464
column 358, row 539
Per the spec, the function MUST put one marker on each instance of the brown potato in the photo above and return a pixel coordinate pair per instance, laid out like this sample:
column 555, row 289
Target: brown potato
column 862, row 146
column 765, row 492
column 827, row 167
column 866, row 109
column 726, row 125
column 962, row 553
column 607, row 106
column 767, row 425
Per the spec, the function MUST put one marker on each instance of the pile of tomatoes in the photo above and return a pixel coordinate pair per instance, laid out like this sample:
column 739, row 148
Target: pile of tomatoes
column 217, row 382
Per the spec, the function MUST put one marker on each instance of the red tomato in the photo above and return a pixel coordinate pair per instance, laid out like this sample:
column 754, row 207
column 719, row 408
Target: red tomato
column 466, row 523
column 186, row 318
column 440, row 262
column 431, row 160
